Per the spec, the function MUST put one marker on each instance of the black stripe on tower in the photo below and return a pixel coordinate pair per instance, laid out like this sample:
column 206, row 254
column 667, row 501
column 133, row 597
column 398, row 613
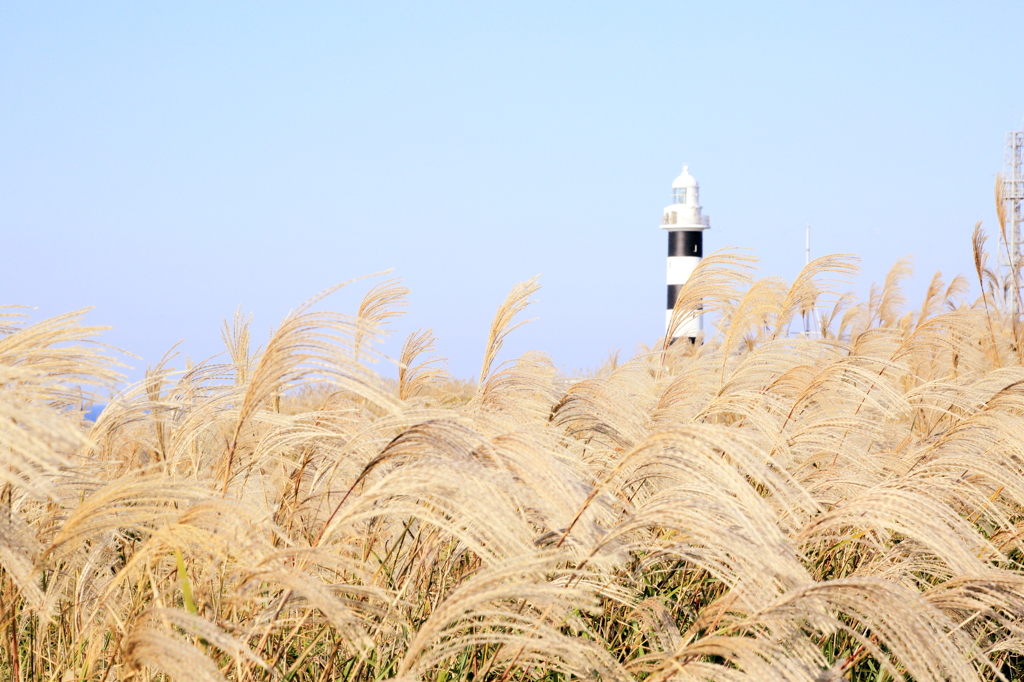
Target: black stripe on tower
column 686, row 243
column 673, row 294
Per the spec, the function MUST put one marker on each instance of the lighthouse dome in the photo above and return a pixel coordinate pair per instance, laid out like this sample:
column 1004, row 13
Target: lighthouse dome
column 685, row 180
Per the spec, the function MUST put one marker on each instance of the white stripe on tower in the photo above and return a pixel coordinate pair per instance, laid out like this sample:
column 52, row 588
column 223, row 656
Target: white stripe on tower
column 685, row 226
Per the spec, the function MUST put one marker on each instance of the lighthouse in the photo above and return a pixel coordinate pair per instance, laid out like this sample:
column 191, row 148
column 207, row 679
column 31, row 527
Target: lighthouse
column 685, row 226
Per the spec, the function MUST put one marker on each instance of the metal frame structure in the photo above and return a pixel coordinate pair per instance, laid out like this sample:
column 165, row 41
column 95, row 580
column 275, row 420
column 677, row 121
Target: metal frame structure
column 811, row 321
column 1013, row 202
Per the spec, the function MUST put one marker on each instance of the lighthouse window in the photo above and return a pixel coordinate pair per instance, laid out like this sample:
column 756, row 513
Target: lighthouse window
column 679, row 195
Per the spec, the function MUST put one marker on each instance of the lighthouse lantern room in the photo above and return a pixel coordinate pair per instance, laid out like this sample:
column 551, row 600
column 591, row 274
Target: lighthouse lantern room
column 685, row 225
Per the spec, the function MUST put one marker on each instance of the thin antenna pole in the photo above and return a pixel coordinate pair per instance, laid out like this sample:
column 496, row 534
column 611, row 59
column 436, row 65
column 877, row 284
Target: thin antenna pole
column 807, row 259
column 810, row 316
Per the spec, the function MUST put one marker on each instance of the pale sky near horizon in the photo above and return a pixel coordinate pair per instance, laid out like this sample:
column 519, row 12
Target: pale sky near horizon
column 169, row 163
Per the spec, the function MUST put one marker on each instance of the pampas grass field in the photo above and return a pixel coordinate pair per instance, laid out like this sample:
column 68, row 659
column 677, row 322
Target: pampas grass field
column 841, row 505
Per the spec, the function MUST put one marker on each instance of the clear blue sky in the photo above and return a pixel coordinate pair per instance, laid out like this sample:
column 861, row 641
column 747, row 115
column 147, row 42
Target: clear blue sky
column 170, row 162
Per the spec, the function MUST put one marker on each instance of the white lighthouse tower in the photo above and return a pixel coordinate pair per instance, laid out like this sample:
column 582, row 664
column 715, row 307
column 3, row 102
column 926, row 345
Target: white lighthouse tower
column 685, row 227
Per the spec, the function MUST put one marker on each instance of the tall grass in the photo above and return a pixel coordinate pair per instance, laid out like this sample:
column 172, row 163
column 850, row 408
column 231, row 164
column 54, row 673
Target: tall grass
column 760, row 506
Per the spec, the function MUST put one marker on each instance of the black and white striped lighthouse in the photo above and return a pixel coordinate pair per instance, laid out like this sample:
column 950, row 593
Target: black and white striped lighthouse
column 685, row 227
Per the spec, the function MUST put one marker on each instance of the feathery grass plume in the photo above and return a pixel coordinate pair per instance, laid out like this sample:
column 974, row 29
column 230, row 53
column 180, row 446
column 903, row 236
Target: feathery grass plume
column 236, row 341
column 55, row 348
column 43, row 368
column 755, row 507
column 885, row 304
column 920, row 641
column 713, row 286
column 168, row 654
column 154, row 384
column 1001, row 207
column 1012, row 286
column 757, row 313
column 807, row 288
column 379, row 305
column 306, row 344
column 933, row 299
column 415, row 379
column 139, row 503
column 612, row 412
column 36, row 441
column 926, row 526
column 842, row 307
column 483, row 610
column 20, row 549
column 955, row 293
column 155, row 642
column 10, row 322
column 524, row 391
column 996, row 287
column 850, row 315
column 978, row 244
column 501, row 325
column 939, row 298
column 688, row 391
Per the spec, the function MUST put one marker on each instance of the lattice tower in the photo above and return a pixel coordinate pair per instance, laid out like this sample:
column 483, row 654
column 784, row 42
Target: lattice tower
column 1012, row 193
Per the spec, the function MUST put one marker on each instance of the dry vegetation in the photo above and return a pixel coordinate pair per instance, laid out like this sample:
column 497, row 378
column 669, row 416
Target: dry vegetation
column 760, row 507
